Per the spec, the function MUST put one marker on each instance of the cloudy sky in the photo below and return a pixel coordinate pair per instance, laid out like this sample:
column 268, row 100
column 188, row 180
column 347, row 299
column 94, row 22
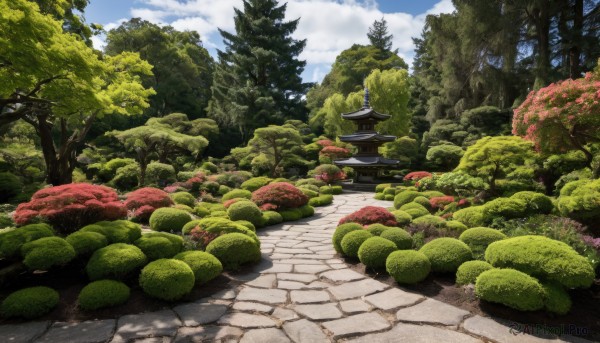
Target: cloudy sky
column 329, row 26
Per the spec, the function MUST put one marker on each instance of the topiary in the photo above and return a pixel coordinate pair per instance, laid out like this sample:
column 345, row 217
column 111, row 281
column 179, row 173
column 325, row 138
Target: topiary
column 580, row 200
column 535, row 202
column 379, row 196
column 237, row 193
column 556, row 298
column 421, row 200
column 221, row 226
column 309, row 187
column 471, row 216
column 183, row 198
column 204, row 265
column 414, row 210
column 115, row 261
column 381, row 187
column 511, row 288
column 432, row 194
column 377, row 229
column 429, row 219
column 255, row 183
column 291, row 215
column 234, row 249
column 102, row 294
column 47, row 252
column 167, row 279
column 10, row 186
column 408, row 266
column 160, row 174
column 156, row 245
column 248, row 224
column 187, row 228
column 446, row 254
column 85, row 243
column 542, row 257
column 404, row 198
column 352, row 242
column 200, row 211
column 370, row 215
column 29, row 302
column 307, row 211
column 468, row 272
column 455, row 225
column 374, row 252
column 321, row 200
column 118, row 231
column 169, row 219
column 340, row 232
column 402, row 218
column 12, row 241
column 223, row 190
column 400, row 237
column 281, row 194
column 272, row 217
column 505, row 207
column 246, row 210
column 309, row 193
column 478, row 239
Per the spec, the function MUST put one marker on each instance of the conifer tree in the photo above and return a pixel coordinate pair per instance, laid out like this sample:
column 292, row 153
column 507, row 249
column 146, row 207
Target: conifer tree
column 379, row 37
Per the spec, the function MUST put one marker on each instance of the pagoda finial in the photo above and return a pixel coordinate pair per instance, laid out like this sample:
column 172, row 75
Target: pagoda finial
column 366, row 103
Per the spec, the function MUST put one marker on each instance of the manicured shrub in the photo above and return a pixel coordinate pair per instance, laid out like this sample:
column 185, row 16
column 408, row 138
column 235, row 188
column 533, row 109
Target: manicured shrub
column 85, row 243
column 352, row 242
column 169, row 219
column 281, row 194
column 156, row 245
column 272, row 217
column 421, row 200
column 432, row 194
column 167, row 279
column 183, row 198
column 415, row 210
column 247, row 224
column 200, row 211
column 377, row 229
column 291, row 215
column 416, row 175
column 328, row 173
column 204, row 265
column 115, row 261
column 160, row 174
column 381, row 187
column 103, row 293
column 118, row 231
column 10, row 186
column 535, row 202
column 505, row 207
column 313, row 182
column 388, row 197
column 47, row 252
column 210, row 187
column 579, row 200
column 511, row 288
column 556, row 298
column 471, row 216
column 441, row 202
column 246, row 210
column 402, row 218
column 308, row 187
column 307, row 211
column 379, row 196
column 370, row 215
column 340, row 232
column 478, row 239
column 29, row 303
column 446, row 254
column 221, row 226
column 309, row 193
column 408, row 266
column 469, row 271
column 237, row 193
column 429, row 219
column 404, row 197
column 334, row 189
column 390, row 191
column 374, row 251
column 211, row 167
column 399, row 236
column 455, row 225
column 255, row 183
column 234, row 249
column 12, row 241
column 321, row 200
column 69, row 207
column 187, row 228
column 223, row 190
column 542, row 257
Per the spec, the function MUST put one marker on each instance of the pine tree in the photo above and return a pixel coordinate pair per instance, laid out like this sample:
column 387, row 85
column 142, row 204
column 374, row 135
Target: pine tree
column 378, row 35
column 257, row 81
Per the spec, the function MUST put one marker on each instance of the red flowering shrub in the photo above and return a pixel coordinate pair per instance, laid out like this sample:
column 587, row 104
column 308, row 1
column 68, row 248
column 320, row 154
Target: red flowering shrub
column 69, row 207
column 325, row 142
column 281, row 194
column 328, row 173
column 334, row 152
column 194, row 183
column 440, row 202
column 145, row 200
column 416, row 176
column 370, row 215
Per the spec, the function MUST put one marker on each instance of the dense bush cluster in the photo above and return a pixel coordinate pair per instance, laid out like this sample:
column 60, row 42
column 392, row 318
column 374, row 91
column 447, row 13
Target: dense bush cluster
column 370, row 215
column 282, row 195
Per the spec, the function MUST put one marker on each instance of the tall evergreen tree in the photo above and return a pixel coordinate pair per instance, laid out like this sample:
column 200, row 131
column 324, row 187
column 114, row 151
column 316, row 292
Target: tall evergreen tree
column 379, row 37
column 257, row 80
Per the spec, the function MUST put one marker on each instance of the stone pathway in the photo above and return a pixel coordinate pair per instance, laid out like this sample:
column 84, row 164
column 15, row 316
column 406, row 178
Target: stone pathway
column 300, row 292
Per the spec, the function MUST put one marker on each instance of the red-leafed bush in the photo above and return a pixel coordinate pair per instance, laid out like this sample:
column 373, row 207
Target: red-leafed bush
column 328, row 173
column 334, row 152
column 153, row 197
column 416, row 176
column 370, row 215
column 230, row 202
column 268, row 207
column 464, row 203
column 142, row 214
column 440, row 202
column 325, row 142
column 281, row 194
column 69, row 207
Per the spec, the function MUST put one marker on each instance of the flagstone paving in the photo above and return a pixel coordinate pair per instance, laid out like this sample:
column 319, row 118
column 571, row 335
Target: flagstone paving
column 299, row 292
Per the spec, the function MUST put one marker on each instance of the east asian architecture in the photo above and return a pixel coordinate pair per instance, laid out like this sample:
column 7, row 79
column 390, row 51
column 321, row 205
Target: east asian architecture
column 367, row 162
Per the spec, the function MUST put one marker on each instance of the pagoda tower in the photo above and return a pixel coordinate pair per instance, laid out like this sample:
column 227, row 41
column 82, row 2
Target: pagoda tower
column 367, row 163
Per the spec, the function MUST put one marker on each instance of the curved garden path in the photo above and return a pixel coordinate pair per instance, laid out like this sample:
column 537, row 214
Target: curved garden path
column 300, row 292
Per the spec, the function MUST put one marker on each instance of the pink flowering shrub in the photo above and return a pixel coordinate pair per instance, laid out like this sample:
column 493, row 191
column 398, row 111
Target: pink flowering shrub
column 280, row 194
column 370, row 215
column 142, row 214
column 416, row 176
column 328, row 173
column 145, row 200
column 268, row 207
column 334, row 152
column 72, row 206
column 441, row 202
column 325, row 142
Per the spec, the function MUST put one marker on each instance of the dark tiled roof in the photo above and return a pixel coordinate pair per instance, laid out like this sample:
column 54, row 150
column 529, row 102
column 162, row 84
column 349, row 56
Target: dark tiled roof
column 365, row 113
column 366, row 137
column 367, row 161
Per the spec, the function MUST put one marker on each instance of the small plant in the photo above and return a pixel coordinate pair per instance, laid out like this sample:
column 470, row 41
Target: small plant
column 102, row 294
column 328, row 173
column 115, row 261
column 352, row 242
column 468, row 272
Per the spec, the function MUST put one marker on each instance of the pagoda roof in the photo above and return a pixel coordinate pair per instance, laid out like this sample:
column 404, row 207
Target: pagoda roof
column 365, row 113
column 366, row 137
column 366, row 161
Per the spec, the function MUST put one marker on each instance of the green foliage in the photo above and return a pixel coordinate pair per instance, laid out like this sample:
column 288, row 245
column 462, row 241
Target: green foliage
column 102, row 294
column 255, row 183
column 156, row 173
column 10, row 186
column 408, row 266
column 377, row 229
column 291, row 214
column 352, row 241
column 511, row 288
column 204, row 265
column 183, row 198
column 85, row 243
column 471, row 216
column 446, row 254
column 478, row 239
column 423, row 201
column 272, row 217
column 334, row 189
column 536, row 203
column 405, row 197
column 307, row 211
column 234, row 249
column 167, row 279
column 126, row 177
column 29, row 302
column 580, row 200
column 459, row 183
column 542, row 257
column 400, row 237
column 12, row 241
column 115, row 261
column 220, row 226
column 455, row 225
column 429, row 219
column 169, row 219
column 374, row 252
column 246, row 210
column 109, row 169
column 505, row 207
column 274, row 147
column 402, row 218
column 445, row 156
column 414, row 210
column 556, row 299
column 47, row 252
column 404, row 149
column 117, row 231
column 468, row 272
column 340, row 232
column 157, row 245
column 237, row 193
column 248, row 224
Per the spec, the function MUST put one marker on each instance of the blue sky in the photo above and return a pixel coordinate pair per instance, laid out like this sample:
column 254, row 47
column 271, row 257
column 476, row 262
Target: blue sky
column 330, row 26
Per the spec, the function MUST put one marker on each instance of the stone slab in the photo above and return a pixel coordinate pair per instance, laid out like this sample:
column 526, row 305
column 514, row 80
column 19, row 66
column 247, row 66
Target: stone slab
column 319, row 311
column 306, row 297
column 252, row 307
column 357, row 289
column 354, row 306
column 342, row 275
column 417, row 334
column 357, row 324
column 269, row 296
column 207, row 334
column 152, row 324
column 493, row 330
column 310, row 269
column 297, row 277
column 302, row 331
column 432, row 311
column 226, row 294
column 265, row 336
column 290, row 285
column 393, row 298
column 263, row 281
column 284, row 314
column 195, row 314
column 23, row 332
column 247, row 321
column 83, row 332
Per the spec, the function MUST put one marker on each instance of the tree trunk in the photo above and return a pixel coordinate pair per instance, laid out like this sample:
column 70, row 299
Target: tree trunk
column 541, row 17
column 59, row 165
column 575, row 50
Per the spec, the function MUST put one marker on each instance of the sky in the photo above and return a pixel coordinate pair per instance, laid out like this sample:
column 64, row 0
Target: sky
column 329, row 26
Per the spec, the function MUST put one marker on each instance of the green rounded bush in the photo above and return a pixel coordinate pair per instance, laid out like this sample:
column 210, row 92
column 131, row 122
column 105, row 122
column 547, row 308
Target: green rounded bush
column 505, row 207
column 169, row 219
column 200, row 211
column 432, row 194
column 313, row 188
column 47, row 252
column 478, row 239
column 204, row 265
column 471, row 216
column 340, row 232
column 400, row 237
column 414, row 210
column 535, row 202
column 291, row 214
column 218, row 214
column 234, row 249
column 156, row 245
column 85, row 243
column 511, row 288
column 421, row 200
column 118, row 231
column 455, row 225
column 255, row 183
column 10, row 186
column 556, row 299
column 446, row 254
column 222, row 226
column 12, row 241
column 321, row 200
column 115, row 261
column 377, row 229
column 469, row 271
column 272, row 217
column 379, row 196
column 382, row 186
column 374, row 251
column 160, row 173
column 408, row 266
column 223, row 190
column 307, row 211
column 388, row 197
column 246, row 210
column 542, row 257
column 189, row 226
column 429, row 219
column 103, row 293
column 404, row 198
column 237, row 193
column 183, row 198
column 352, row 242
column 167, row 279
column 29, row 302
column 580, row 200
column 309, row 192
column 389, row 191
column 402, row 218
column 248, row 224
